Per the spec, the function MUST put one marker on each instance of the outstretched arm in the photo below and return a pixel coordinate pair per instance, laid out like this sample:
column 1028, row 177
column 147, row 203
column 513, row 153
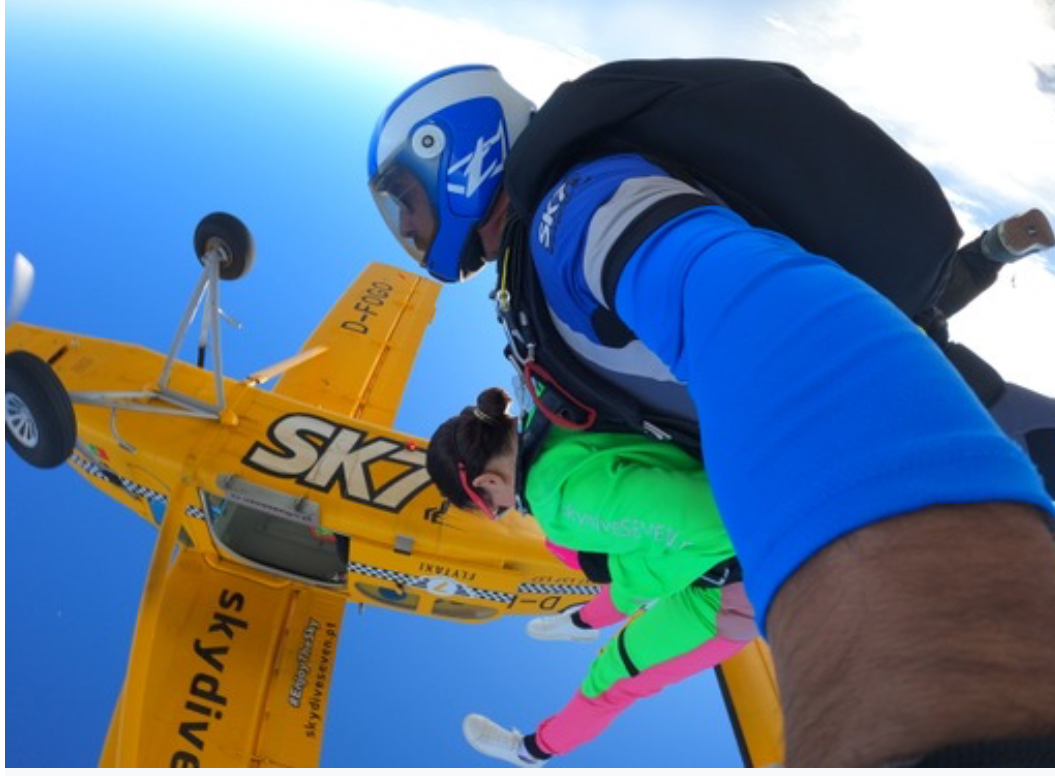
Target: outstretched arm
column 845, row 453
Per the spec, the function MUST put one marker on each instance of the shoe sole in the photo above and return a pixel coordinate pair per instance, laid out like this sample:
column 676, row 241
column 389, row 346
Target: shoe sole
column 586, row 635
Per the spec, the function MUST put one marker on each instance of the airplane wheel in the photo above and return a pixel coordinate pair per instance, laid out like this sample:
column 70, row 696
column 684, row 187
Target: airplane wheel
column 41, row 426
column 224, row 232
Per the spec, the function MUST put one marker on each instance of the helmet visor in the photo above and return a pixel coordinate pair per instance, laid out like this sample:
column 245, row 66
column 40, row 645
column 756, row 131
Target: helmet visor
column 405, row 205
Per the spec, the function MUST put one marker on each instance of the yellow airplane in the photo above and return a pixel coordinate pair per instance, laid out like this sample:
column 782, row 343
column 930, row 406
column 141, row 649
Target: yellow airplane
column 275, row 508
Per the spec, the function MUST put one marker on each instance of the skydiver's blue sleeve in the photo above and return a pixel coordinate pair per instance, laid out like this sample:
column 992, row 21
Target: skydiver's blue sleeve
column 822, row 408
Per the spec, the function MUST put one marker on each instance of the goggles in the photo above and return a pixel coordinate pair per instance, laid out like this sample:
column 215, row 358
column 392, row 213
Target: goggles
column 475, row 497
column 406, row 208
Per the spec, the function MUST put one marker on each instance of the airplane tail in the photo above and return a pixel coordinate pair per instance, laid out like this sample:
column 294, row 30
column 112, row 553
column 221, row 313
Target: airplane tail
column 358, row 359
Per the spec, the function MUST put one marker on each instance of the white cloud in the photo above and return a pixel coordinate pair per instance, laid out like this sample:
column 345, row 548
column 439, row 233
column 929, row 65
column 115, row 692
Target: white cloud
column 956, row 82
column 402, row 41
column 1011, row 325
column 778, row 23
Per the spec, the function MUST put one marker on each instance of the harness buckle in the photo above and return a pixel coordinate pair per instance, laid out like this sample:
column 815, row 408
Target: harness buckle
column 725, row 573
column 656, row 431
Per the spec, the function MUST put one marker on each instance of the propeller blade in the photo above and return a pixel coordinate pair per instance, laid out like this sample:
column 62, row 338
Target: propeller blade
column 21, row 284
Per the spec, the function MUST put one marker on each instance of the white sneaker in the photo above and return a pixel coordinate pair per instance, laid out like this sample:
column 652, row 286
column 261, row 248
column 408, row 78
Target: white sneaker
column 559, row 627
column 493, row 740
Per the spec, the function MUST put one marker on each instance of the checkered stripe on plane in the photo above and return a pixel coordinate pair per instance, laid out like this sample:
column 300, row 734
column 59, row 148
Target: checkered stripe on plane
column 133, row 488
column 543, row 589
column 420, row 582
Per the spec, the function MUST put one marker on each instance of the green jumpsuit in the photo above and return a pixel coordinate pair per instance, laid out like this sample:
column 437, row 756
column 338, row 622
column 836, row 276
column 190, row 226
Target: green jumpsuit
column 648, row 506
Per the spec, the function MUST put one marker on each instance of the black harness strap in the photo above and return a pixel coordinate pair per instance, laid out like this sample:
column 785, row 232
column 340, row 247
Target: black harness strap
column 640, row 229
column 624, row 655
column 574, row 396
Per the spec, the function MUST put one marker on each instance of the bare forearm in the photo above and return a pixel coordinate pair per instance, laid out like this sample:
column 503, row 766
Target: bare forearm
column 929, row 629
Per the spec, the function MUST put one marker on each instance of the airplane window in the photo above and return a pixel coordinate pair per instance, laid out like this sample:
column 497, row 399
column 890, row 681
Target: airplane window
column 278, row 543
column 389, row 596
column 460, row 611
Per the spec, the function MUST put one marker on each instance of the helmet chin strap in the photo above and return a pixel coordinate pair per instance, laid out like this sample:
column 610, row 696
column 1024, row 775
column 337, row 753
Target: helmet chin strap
column 491, row 229
column 474, row 253
column 472, row 257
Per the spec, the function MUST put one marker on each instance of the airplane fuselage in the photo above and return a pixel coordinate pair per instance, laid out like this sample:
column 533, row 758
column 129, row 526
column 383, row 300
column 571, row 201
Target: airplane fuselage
column 407, row 548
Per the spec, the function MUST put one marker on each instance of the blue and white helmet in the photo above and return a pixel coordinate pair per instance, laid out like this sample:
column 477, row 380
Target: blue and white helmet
column 436, row 161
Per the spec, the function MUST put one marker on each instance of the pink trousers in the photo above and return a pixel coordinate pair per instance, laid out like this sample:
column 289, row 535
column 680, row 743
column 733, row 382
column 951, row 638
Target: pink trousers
column 585, row 718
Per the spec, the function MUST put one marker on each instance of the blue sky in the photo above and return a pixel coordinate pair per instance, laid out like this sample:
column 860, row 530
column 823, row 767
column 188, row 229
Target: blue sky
column 128, row 121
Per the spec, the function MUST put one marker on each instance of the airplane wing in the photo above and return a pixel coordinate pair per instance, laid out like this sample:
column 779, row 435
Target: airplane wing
column 230, row 667
column 749, row 687
column 359, row 358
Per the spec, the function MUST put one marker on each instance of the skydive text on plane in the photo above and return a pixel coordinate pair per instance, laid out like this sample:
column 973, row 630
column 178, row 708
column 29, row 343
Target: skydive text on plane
column 206, row 701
